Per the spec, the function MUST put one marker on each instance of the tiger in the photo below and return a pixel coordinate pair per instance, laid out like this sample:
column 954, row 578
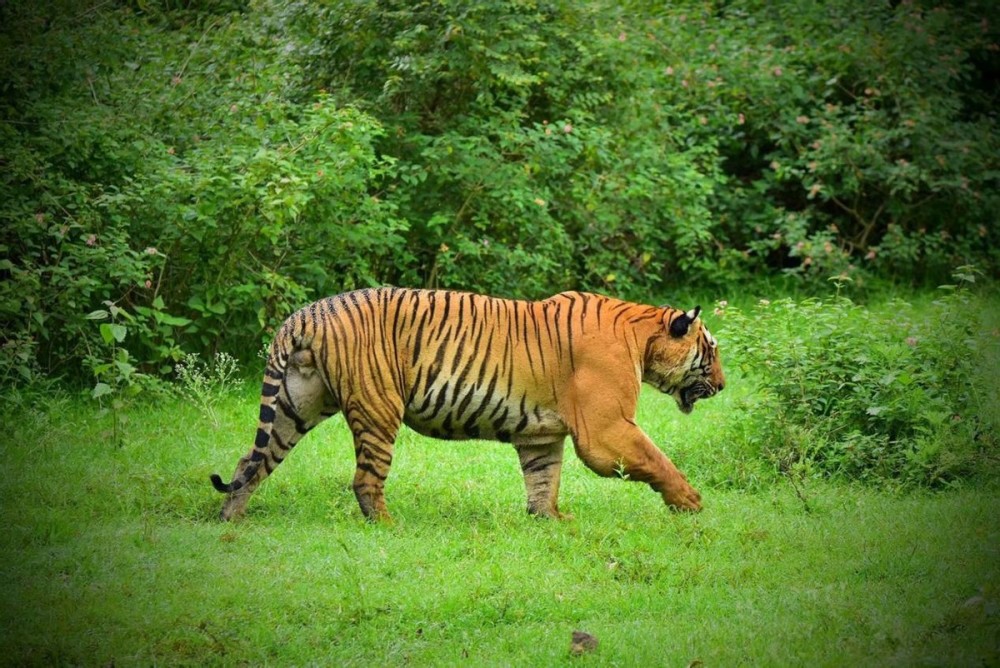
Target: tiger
column 458, row 365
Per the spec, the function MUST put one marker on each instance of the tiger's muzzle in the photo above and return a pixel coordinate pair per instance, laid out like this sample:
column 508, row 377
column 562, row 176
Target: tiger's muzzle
column 698, row 390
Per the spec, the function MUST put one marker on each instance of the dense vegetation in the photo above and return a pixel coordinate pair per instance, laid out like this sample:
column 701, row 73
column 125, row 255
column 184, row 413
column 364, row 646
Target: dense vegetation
column 177, row 176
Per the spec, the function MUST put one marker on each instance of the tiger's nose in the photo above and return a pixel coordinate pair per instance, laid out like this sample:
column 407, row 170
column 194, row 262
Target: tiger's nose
column 721, row 387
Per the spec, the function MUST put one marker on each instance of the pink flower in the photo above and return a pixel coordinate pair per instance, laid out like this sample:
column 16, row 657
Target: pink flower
column 741, row 119
column 870, row 255
column 91, row 240
column 802, row 120
column 669, row 71
column 539, row 201
column 567, row 128
column 911, row 341
column 622, row 37
column 777, row 71
column 151, row 250
column 149, row 284
column 40, row 218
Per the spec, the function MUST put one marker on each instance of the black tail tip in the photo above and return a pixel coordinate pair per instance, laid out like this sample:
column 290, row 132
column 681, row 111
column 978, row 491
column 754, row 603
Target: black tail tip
column 218, row 484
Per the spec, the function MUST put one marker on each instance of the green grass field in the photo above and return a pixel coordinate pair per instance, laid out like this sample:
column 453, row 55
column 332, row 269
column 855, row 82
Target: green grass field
column 112, row 554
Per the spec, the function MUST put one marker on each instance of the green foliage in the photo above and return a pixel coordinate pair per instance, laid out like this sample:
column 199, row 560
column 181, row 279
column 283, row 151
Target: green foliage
column 865, row 143
column 891, row 394
column 527, row 142
column 208, row 167
column 116, row 378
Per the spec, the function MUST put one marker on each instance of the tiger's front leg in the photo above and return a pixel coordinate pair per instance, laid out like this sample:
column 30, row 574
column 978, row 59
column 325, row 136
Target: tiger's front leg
column 542, row 466
column 626, row 451
column 610, row 443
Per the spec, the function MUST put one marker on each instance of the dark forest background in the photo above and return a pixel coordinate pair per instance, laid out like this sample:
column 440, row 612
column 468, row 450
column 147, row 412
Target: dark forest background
column 178, row 176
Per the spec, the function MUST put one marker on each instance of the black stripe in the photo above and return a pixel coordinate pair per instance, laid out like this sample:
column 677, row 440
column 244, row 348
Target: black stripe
column 267, row 413
column 464, row 403
column 501, row 421
column 262, row 439
column 300, row 425
column 368, row 468
column 269, row 390
column 419, row 337
column 441, row 399
column 537, row 464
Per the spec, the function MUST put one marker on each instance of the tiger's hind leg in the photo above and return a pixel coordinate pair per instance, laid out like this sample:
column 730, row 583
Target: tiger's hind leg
column 292, row 404
column 542, row 466
column 374, row 439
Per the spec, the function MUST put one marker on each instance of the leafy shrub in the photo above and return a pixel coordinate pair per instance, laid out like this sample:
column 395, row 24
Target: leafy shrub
column 208, row 167
column 533, row 152
column 864, row 144
column 871, row 394
column 186, row 190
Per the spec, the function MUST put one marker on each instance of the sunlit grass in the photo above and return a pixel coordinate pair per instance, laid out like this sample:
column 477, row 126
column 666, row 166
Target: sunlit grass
column 114, row 554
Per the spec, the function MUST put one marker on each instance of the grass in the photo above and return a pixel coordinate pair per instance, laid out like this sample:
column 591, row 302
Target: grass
column 112, row 553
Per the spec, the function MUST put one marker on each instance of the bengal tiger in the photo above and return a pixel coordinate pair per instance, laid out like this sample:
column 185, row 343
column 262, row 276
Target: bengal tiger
column 456, row 365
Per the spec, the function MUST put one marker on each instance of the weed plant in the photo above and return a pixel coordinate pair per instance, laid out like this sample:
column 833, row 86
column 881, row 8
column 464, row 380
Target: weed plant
column 203, row 383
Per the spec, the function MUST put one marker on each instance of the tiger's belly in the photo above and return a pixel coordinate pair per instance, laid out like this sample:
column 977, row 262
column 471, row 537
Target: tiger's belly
column 475, row 415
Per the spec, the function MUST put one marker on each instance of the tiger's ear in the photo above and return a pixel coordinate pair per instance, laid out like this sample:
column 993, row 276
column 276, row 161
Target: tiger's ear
column 682, row 323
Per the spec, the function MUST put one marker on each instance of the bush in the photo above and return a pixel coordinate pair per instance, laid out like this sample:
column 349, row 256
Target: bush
column 869, row 394
column 866, row 142
column 209, row 167
column 169, row 177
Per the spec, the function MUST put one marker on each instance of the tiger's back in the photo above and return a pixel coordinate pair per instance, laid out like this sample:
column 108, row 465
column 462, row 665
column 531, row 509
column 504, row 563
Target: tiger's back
column 460, row 365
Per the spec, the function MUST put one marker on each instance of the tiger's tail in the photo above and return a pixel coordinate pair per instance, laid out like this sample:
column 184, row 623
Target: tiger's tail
column 290, row 339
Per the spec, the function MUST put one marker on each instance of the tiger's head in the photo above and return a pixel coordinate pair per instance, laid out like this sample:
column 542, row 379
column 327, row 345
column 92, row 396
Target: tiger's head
column 682, row 360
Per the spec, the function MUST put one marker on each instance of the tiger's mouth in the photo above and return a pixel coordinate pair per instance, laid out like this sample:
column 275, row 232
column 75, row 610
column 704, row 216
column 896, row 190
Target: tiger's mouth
column 692, row 393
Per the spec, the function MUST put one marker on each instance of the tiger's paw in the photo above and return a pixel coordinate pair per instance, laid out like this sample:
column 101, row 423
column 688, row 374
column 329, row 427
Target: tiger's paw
column 550, row 513
column 686, row 499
